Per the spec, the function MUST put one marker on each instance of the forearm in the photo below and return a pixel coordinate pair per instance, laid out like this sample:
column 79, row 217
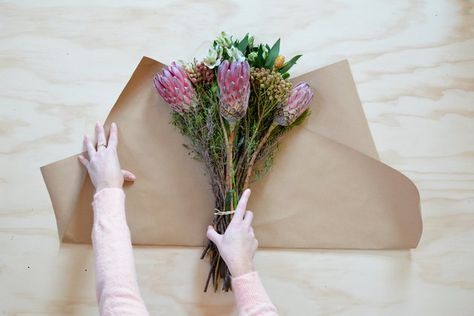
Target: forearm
column 251, row 297
column 116, row 285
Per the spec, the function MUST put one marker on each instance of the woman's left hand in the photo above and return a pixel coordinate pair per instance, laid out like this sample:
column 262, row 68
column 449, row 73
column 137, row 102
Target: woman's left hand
column 103, row 165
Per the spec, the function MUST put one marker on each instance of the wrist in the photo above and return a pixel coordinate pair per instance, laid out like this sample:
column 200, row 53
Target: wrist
column 241, row 268
column 106, row 185
column 100, row 190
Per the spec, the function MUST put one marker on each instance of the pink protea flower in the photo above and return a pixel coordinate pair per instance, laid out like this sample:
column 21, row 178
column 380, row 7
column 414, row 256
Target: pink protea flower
column 175, row 88
column 298, row 102
column 234, row 84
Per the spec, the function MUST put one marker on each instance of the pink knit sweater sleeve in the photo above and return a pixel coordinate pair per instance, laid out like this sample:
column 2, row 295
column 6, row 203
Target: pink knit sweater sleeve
column 116, row 285
column 251, row 297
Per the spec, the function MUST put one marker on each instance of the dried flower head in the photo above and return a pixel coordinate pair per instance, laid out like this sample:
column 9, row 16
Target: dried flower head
column 271, row 83
column 234, row 84
column 298, row 102
column 200, row 74
column 175, row 88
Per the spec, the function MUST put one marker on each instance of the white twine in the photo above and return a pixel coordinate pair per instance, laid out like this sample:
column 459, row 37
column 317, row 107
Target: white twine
column 219, row 212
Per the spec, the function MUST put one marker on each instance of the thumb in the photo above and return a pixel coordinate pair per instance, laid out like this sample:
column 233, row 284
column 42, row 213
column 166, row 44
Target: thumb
column 213, row 236
column 128, row 176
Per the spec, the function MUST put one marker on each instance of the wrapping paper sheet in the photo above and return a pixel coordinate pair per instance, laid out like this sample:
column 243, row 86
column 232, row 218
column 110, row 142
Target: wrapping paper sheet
column 326, row 189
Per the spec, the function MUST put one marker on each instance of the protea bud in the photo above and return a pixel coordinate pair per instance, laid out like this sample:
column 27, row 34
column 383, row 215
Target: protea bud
column 175, row 88
column 234, row 84
column 298, row 102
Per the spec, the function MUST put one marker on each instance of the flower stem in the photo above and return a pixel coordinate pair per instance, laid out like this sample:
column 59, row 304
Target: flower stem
column 230, row 144
column 256, row 153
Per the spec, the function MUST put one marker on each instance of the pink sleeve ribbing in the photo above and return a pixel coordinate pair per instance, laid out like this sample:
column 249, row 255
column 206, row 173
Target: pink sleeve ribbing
column 251, row 297
column 116, row 285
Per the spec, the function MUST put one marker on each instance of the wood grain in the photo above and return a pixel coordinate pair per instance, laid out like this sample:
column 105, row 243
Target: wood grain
column 413, row 62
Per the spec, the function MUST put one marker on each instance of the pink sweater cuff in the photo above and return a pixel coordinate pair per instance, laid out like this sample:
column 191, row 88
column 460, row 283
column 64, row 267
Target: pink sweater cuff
column 251, row 297
column 109, row 202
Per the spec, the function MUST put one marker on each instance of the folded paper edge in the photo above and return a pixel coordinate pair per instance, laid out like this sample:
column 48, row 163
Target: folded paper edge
column 62, row 229
column 57, row 208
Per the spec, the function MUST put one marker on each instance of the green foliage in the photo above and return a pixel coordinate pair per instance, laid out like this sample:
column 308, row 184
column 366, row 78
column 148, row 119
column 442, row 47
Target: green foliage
column 206, row 138
column 207, row 131
column 287, row 66
column 272, row 55
column 255, row 136
column 243, row 44
column 260, row 58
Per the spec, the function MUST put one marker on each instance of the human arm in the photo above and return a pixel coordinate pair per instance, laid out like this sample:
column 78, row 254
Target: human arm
column 116, row 285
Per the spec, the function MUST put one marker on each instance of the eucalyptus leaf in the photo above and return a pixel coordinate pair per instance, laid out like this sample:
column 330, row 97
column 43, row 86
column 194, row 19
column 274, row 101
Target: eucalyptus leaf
column 272, row 55
column 260, row 56
column 289, row 64
column 242, row 46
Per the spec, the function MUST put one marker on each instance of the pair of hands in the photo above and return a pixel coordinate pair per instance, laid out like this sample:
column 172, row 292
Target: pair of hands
column 237, row 245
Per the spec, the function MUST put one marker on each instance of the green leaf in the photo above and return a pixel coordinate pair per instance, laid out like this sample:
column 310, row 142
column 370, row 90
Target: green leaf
column 242, row 46
column 214, row 88
column 272, row 55
column 289, row 64
column 286, row 75
column 260, row 56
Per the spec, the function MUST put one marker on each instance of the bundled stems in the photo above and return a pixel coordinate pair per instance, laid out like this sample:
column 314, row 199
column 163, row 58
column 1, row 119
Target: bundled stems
column 256, row 153
column 211, row 98
column 229, row 167
column 219, row 269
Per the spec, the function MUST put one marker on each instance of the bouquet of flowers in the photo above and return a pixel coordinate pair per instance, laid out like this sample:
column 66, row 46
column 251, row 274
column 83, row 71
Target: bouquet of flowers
column 233, row 106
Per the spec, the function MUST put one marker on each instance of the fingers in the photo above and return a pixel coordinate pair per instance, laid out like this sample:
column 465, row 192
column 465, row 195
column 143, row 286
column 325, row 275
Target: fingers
column 83, row 160
column 248, row 218
column 128, row 176
column 113, row 136
column 99, row 131
column 89, row 147
column 242, row 206
column 213, row 236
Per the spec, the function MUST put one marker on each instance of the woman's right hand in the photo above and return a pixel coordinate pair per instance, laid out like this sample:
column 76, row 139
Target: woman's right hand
column 237, row 245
